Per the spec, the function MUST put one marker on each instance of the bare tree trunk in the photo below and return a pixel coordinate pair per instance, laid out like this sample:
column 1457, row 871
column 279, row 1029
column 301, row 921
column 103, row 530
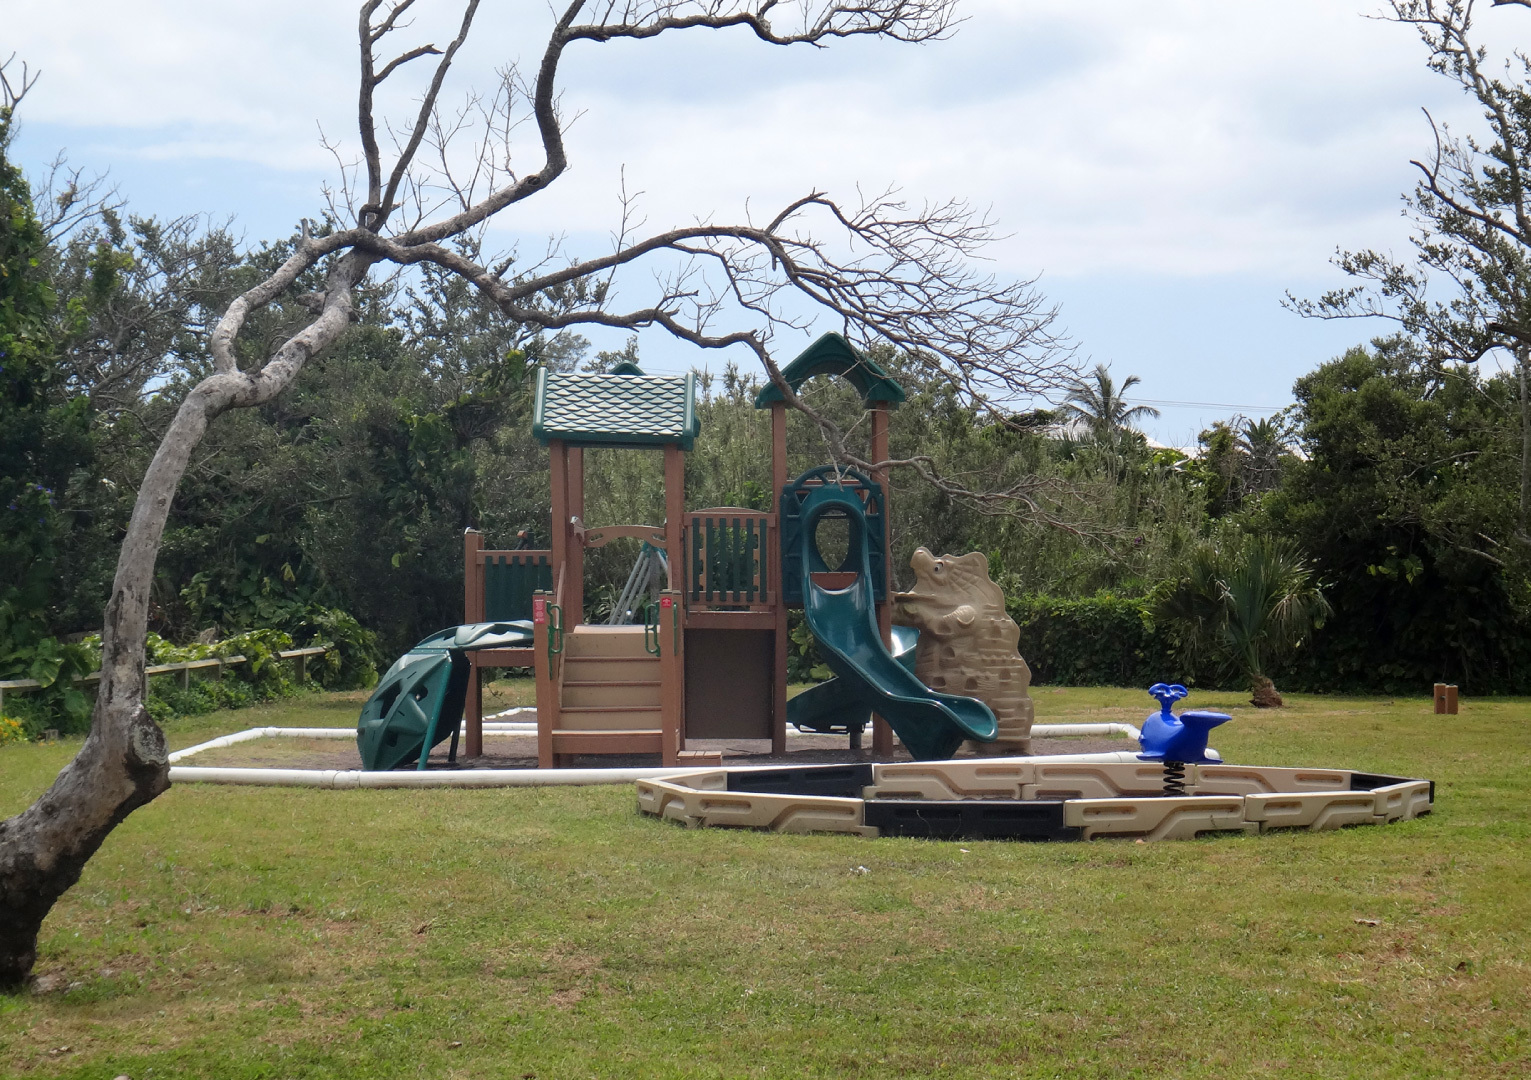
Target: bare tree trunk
column 124, row 762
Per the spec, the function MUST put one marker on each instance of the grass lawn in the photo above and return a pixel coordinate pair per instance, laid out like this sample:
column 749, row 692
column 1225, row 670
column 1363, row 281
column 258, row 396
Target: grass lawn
column 261, row 932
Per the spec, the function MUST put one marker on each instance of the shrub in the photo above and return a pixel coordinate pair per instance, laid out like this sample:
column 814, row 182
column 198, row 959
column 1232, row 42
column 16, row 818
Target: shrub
column 1095, row 641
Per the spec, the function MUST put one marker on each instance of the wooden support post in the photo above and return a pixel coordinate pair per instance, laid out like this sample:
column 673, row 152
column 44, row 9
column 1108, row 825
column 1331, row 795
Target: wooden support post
column 674, row 498
column 779, row 662
column 882, row 734
column 473, row 611
column 672, row 678
column 1445, row 699
column 559, row 535
column 473, row 710
column 547, row 685
column 675, row 544
column 472, row 576
column 574, row 588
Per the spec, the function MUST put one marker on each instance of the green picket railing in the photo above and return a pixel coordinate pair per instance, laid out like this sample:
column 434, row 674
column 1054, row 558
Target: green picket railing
column 727, row 559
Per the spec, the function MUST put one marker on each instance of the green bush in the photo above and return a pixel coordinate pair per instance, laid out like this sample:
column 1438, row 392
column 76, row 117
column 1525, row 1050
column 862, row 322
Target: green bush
column 353, row 660
column 64, row 705
column 1096, row 641
column 168, row 699
column 804, row 662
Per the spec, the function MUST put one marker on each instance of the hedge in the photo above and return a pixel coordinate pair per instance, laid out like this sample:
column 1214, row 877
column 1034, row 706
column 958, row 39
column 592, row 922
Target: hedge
column 1096, row 641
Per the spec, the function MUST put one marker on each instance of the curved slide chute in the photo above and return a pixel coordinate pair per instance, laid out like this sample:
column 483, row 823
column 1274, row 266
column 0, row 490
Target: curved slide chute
column 842, row 613
column 835, row 708
column 419, row 700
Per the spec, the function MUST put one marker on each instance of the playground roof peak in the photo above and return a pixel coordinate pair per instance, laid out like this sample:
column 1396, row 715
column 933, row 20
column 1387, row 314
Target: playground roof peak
column 831, row 354
column 629, row 409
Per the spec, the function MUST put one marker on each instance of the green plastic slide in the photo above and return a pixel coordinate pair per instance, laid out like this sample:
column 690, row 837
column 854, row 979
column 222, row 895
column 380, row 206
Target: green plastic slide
column 931, row 725
column 836, row 707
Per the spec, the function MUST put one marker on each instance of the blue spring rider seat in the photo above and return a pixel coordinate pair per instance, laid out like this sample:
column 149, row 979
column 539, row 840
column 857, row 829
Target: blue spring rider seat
column 1180, row 738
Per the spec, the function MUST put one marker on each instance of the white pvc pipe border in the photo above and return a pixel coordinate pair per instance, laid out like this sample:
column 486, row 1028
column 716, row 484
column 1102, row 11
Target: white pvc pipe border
column 1066, row 730
column 321, row 733
column 512, row 728
column 462, row 778
column 498, row 778
column 503, row 778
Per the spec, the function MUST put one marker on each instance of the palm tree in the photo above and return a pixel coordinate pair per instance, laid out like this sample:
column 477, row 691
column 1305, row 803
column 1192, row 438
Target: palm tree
column 1263, row 443
column 1102, row 407
column 1244, row 604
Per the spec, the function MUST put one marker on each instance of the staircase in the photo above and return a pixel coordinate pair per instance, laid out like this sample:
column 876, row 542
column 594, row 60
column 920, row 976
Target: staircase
column 610, row 697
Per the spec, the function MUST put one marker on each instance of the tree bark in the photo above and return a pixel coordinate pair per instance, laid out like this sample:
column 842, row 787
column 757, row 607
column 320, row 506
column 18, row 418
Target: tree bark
column 1263, row 693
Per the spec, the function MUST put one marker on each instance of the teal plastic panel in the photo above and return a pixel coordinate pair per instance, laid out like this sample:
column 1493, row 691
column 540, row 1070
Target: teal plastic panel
column 420, row 701
column 510, row 580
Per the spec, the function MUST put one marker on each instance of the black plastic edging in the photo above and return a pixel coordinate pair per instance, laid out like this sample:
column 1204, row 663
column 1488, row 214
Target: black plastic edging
column 836, row 781
column 977, row 819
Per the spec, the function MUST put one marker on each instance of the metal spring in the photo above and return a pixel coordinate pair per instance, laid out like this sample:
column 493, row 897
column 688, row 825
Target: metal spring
column 1174, row 779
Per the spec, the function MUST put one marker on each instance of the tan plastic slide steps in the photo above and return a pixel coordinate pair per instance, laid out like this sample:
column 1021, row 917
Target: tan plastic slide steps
column 610, row 682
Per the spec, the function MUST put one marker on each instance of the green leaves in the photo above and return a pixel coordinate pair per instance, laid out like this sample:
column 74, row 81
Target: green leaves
column 1242, row 603
column 1407, row 501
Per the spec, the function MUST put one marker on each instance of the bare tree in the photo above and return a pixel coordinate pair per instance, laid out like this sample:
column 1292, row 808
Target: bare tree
column 891, row 272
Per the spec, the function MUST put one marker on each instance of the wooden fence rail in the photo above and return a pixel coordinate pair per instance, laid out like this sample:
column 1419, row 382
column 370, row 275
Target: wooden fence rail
column 185, row 668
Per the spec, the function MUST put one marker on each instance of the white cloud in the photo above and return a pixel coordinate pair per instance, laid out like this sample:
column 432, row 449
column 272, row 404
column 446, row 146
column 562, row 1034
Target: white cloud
column 1186, row 139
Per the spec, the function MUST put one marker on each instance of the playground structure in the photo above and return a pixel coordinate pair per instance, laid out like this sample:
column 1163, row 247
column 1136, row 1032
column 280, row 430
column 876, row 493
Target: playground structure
column 709, row 660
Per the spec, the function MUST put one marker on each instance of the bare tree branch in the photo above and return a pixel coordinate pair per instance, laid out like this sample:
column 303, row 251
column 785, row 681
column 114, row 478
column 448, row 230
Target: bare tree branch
column 889, row 272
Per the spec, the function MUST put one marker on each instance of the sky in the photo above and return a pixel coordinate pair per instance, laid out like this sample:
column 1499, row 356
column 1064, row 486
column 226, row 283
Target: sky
column 1166, row 172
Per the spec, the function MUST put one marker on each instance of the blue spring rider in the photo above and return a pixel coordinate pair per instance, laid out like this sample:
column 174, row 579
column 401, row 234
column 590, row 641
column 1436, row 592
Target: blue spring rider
column 1180, row 738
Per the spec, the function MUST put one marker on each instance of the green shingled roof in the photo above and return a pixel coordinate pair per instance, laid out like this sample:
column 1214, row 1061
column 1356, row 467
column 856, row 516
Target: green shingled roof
column 616, row 410
column 833, row 355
